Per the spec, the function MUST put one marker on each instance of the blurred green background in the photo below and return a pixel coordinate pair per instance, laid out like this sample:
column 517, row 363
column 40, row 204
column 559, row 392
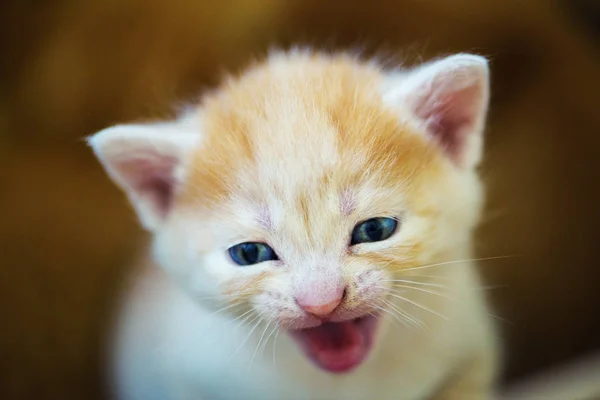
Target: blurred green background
column 69, row 68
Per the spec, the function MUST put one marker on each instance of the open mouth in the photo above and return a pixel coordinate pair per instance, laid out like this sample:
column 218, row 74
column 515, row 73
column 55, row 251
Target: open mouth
column 338, row 346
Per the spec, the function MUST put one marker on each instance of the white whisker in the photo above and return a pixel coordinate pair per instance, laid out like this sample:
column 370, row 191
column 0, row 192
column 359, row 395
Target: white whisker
column 216, row 297
column 423, row 290
column 420, row 275
column 459, row 261
column 392, row 290
column 257, row 317
column 275, row 347
column 491, row 287
column 394, row 316
column 258, row 344
column 418, row 305
column 405, row 315
column 501, row 319
column 241, row 316
column 448, row 286
column 227, row 308
column 269, row 337
column 417, row 283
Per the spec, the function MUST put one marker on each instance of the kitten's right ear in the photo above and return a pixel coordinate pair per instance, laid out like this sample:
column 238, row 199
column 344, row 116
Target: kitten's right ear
column 145, row 161
column 450, row 98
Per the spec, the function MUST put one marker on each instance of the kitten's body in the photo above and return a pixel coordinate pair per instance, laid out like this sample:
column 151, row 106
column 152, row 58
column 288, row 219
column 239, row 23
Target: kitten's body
column 295, row 154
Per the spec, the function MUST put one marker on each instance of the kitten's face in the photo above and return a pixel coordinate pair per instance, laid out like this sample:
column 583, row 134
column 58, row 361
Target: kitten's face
column 308, row 196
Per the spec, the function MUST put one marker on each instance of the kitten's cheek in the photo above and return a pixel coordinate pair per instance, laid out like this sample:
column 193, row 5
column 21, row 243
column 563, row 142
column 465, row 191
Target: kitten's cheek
column 283, row 310
column 269, row 305
column 371, row 285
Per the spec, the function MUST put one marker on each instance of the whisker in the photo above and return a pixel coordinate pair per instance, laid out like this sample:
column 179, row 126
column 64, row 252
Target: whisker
column 394, row 288
column 269, row 337
column 423, row 290
column 409, row 321
column 257, row 317
column 258, row 344
column 241, row 316
column 459, row 261
column 394, row 316
column 453, row 299
column 418, row 305
column 377, row 307
column 491, row 287
column 239, row 303
column 420, row 275
column 371, row 314
column 398, row 314
column 406, row 315
column 501, row 319
column 417, row 283
column 219, row 297
column 450, row 280
column 275, row 346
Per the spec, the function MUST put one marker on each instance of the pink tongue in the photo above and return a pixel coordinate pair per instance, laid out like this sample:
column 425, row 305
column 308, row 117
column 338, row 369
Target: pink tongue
column 336, row 347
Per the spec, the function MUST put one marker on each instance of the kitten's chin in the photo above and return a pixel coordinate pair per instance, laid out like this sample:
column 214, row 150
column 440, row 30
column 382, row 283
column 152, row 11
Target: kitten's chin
column 338, row 347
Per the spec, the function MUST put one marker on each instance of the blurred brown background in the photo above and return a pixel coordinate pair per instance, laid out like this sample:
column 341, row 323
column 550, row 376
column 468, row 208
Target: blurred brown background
column 69, row 68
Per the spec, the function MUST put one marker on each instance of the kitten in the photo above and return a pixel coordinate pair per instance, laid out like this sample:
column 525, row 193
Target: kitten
column 312, row 224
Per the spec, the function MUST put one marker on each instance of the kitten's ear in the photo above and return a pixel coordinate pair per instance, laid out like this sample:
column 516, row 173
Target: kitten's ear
column 145, row 160
column 450, row 97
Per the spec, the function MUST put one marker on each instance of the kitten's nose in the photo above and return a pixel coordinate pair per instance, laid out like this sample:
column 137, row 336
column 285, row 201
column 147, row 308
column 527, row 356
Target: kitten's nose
column 324, row 307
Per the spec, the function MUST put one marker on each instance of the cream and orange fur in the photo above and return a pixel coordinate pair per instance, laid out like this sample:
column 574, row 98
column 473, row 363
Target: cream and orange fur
column 294, row 153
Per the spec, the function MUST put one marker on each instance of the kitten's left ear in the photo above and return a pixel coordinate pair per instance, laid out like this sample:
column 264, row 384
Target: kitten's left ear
column 450, row 97
column 145, row 161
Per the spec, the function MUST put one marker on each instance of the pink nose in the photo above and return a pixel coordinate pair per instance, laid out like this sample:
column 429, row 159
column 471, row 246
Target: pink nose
column 321, row 309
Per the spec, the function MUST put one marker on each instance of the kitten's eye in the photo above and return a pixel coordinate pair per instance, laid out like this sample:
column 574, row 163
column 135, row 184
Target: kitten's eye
column 251, row 253
column 373, row 230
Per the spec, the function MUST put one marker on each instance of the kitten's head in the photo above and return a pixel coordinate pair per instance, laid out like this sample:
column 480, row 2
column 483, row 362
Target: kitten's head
column 301, row 190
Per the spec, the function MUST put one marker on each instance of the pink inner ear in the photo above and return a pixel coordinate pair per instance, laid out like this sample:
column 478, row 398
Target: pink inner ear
column 450, row 116
column 151, row 178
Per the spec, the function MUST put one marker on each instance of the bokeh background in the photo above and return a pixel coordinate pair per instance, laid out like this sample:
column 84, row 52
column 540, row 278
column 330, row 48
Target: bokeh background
column 69, row 68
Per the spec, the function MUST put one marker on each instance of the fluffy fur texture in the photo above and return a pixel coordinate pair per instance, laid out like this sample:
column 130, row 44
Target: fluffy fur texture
column 295, row 153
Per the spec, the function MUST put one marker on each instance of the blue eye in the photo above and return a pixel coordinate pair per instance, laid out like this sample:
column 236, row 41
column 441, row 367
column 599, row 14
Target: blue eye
column 373, row 230
column 251, row 253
